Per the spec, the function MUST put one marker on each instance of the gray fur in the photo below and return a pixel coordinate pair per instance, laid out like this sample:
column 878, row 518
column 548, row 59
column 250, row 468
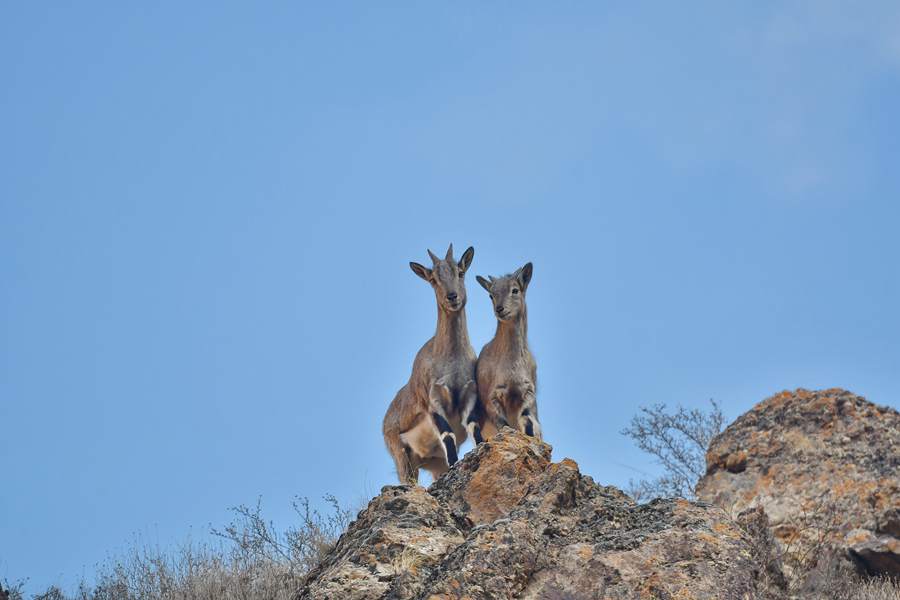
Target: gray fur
column 442, row 379
column 506, row 372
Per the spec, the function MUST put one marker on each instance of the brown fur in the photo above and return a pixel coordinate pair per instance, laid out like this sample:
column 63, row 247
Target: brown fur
column 442, row 380
column 506, row 372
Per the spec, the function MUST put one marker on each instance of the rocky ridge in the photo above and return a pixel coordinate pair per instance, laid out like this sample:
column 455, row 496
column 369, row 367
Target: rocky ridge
column 506, row 522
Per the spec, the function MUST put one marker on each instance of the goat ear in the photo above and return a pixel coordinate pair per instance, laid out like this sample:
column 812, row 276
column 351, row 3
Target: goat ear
column 423, row 272
column 466, row 259
column 524, row 275
column 484, row 283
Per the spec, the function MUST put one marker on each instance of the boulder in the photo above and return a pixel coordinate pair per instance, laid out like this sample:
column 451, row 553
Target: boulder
column 825, row 467
column 506, row 522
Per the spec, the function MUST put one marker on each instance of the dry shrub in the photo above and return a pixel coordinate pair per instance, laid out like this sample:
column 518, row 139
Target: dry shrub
column 299, row 548
column 252, row 560
column 678, row 441
column 12, row 591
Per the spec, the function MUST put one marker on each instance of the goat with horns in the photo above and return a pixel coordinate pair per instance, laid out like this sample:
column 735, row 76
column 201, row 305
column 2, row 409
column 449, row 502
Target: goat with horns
column 423, row 427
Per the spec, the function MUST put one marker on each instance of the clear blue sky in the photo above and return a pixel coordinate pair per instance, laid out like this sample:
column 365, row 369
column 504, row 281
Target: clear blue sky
column 206, row 215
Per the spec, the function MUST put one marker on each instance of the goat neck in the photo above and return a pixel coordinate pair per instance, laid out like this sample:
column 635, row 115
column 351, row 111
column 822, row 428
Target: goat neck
column 452, row 333
column 512, row 335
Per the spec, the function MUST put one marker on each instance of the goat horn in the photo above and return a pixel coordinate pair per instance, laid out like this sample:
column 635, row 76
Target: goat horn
column 434, row 258
column 449, row 257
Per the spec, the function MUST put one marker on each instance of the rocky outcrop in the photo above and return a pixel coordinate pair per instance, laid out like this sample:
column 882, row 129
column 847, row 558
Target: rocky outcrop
column 505, row 522
column 825, row 467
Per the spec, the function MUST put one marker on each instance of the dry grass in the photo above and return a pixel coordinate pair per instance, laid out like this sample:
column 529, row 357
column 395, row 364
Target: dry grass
column 877, row 589
column 853, row 588
column 253, row 560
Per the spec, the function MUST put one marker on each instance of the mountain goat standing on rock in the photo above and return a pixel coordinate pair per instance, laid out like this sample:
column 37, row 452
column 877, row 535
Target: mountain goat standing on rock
column 506, row 372
column 423, row 425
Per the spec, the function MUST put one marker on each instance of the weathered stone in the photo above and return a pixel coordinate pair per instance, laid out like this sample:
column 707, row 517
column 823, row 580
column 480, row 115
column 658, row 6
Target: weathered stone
column 825, row 466
column 392, row 544
column 493, row 478
column 507, row 523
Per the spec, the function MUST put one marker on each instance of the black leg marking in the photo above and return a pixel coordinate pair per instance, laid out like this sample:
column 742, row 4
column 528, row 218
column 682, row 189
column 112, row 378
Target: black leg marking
column 529, row 423
column 476, row 428
column 442, row 424
column 450, row 445
column 446, row 437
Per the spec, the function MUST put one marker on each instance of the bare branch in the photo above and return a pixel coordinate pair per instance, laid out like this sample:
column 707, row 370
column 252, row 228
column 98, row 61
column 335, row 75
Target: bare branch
column 678, row 441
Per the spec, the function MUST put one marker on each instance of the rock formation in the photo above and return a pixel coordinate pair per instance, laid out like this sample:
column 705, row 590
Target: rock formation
column 825, row 467
column 506, row 522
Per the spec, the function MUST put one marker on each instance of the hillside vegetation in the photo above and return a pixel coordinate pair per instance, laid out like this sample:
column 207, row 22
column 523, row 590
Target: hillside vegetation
column 797, row 498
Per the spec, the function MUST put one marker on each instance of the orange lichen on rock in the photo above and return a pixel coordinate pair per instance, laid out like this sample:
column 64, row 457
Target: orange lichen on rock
column 821, row 464
column 506, row 466
column 505, row 522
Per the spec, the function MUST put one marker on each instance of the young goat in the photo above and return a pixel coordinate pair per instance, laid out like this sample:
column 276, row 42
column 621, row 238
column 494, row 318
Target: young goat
column 506, row 372
column 423, row 425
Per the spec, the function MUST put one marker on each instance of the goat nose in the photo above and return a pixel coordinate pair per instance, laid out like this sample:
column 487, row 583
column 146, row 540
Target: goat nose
column 500, row 309
column 452, row 296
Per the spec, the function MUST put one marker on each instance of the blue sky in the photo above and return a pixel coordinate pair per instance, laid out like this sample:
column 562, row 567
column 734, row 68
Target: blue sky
column 207, row 211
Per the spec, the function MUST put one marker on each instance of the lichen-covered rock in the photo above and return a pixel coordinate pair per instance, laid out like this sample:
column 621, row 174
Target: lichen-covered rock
column 493, row 479
column 505, row 522
column 825, row 466
column 394, row 543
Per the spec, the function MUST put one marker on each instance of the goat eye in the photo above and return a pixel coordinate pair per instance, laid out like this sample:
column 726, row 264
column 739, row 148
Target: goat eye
column 462, row 274
column 515, row 291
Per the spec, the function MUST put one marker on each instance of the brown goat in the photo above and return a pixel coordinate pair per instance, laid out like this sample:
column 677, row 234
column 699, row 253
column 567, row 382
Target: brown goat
column 423, row 425
column 506, row 372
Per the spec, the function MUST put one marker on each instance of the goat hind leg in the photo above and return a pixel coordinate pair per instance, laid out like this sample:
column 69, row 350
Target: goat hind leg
column 473, row 412
column 412, row 471
column 407, row 471
column 439, row 397
column 473, row 426
column 448, row 438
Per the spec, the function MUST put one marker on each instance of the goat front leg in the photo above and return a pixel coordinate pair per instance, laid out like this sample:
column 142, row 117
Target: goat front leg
column 472, row 412
column 438, row 397
column 498, row 401
column 528, row 421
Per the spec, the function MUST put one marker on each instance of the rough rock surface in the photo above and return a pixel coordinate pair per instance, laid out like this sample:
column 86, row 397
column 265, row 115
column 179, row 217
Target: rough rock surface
column 825, row 466
column 505, row 522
